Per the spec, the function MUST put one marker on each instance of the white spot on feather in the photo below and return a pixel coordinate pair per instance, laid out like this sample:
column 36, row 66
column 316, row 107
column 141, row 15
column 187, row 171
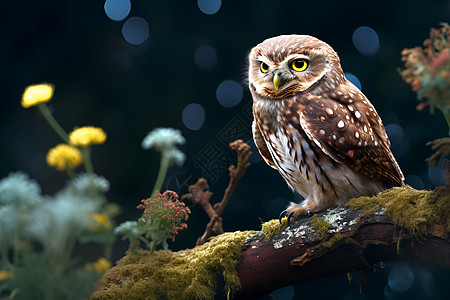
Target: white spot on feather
column 340, row 124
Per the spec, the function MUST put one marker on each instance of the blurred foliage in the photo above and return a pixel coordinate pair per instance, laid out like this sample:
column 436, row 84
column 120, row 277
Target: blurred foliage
column 428, row 71
column 38, row 234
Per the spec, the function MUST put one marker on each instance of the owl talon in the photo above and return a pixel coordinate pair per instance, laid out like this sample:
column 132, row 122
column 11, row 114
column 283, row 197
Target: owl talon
column 282, row 215
column 308, row 213
column 291, row 214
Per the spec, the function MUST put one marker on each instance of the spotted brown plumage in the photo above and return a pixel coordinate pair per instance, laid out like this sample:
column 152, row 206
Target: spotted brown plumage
column 315, row 127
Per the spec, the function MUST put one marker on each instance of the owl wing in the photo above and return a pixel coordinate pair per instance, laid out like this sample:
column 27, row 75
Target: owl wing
column 350, row 133
column 261, row 145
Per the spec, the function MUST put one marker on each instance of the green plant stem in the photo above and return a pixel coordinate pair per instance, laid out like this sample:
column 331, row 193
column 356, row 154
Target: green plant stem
column 86, row 153
column 153, row 247
column 16, row 242
column 52, row 121
column 70, row 173
column 107, row 251
column 4, row 256
column 59, row 258
column 161, row 175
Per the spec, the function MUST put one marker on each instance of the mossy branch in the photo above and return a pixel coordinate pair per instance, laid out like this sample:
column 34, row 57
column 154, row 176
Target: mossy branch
column 338, row 240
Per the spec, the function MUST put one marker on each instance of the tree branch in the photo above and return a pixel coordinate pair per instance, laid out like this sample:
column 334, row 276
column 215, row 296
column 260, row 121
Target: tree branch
column 334, row 241
column 298, row 253
column 236, row 172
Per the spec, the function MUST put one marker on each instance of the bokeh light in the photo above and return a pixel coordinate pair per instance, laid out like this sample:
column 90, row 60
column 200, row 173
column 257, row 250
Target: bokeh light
column 401, row 278
column 436, row 174
column 285, row 293
column 229, row 93
column 427, row 283
column 395, row 133
column 135, row 30
column 117, row 10
column 353, row 79
column 205, row 57
column 390, row 294
column 366, row 40
column 193, row 116
column 209, row 7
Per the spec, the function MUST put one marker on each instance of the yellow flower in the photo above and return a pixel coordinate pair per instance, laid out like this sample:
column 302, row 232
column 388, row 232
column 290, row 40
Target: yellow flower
column 100, row 266
column 87, row 135
column 102, row 221
column 5, row 275
column 64, row 156
column 35, row 94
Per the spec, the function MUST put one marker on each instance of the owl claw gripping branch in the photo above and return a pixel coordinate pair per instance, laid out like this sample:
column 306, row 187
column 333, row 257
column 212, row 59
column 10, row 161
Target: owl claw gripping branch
column 315, row 127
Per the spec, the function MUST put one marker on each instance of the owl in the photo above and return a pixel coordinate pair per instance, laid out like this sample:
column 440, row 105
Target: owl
column 315, row 127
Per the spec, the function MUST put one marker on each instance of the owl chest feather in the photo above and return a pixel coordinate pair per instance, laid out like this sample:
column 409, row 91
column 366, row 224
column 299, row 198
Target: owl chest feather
column 302, row 164
column 288, row 146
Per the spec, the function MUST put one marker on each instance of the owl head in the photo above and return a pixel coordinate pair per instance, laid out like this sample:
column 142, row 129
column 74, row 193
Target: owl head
column 289, row 64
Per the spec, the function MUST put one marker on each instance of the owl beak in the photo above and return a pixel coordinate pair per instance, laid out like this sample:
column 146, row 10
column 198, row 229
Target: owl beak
column 276, row 81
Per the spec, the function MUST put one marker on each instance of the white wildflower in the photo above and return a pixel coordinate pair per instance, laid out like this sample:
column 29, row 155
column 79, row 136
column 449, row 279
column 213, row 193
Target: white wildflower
column 129, row 229
column 89, row 183
column 59, row 220
column 19, row 190
column 8, row 225
column 163, row 139
column 175, row 156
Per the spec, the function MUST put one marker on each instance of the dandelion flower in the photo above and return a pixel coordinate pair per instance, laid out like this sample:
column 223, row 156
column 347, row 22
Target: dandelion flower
column 5, row 275
column 35, row 94
column 102, row 221
column 100, row 266
column 163, row 139
column 64, row 156
column 87, row 135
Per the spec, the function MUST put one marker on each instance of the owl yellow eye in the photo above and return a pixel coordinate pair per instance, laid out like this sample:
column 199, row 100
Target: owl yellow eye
column 299, row 64
column 264, row 67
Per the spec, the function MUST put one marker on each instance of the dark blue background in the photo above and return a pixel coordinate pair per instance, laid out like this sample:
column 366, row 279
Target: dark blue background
column 72, row 44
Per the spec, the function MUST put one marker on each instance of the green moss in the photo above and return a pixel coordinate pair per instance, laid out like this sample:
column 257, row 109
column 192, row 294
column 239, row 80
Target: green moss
column 332, row 240
column 320, row 225
column 412, row 210
column 187, row 274
column 271, row 228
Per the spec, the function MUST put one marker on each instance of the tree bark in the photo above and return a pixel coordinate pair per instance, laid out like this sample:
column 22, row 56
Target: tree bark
column 298, row 254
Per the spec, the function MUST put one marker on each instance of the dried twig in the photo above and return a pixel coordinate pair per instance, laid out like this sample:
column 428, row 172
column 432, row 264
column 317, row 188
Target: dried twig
column 200, row 194
column 236, row 172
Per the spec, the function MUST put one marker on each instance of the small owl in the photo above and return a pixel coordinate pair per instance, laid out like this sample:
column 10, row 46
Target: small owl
column 315, row 127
